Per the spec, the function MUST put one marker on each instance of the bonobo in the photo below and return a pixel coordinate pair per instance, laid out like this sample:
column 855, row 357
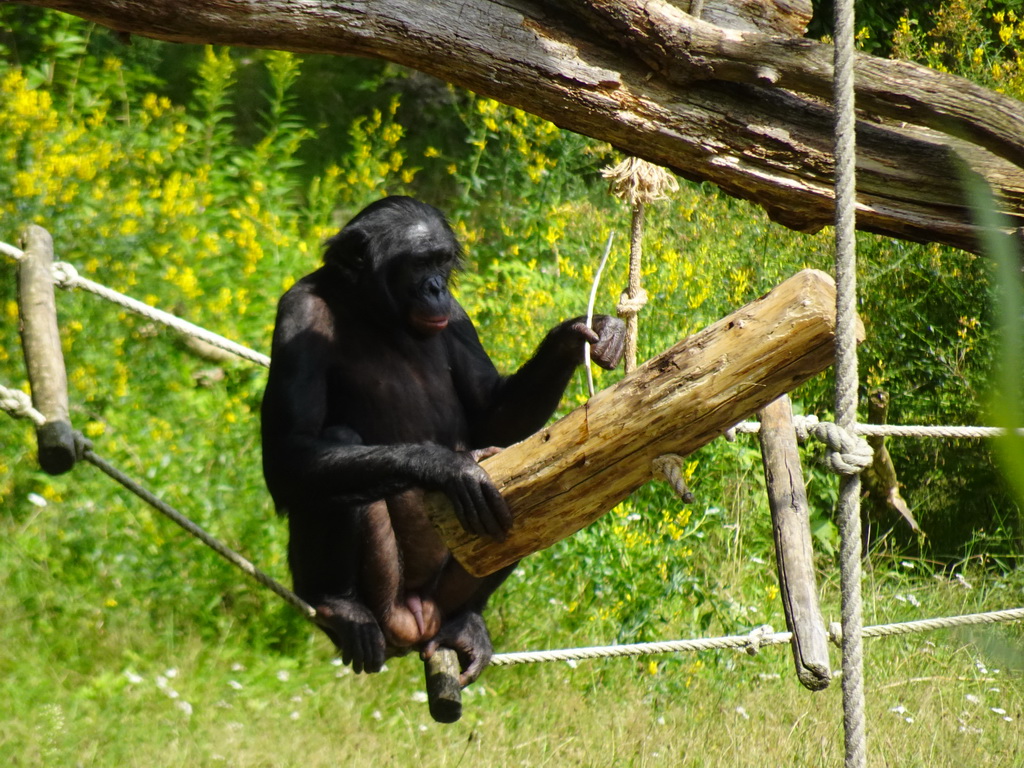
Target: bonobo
column 380, row 389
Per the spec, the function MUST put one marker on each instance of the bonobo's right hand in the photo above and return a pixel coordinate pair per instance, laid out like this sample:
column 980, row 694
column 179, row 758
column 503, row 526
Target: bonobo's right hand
column 478, row 505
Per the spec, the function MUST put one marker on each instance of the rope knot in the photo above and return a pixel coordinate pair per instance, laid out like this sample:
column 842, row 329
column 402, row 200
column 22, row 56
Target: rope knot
column 803, row 425
column 83, row 445
column 756, row 637
column 64, row 274
column 849, row 454
column 631, row 305
column 19, row 405
column 835, row 634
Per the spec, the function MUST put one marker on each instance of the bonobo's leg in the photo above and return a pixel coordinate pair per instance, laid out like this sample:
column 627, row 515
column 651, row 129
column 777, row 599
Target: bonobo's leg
column 406, row 618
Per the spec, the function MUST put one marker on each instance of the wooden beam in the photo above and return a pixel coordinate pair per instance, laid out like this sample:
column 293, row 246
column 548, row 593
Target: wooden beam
column 44, row 360
column 568, row 474
column 793, row 552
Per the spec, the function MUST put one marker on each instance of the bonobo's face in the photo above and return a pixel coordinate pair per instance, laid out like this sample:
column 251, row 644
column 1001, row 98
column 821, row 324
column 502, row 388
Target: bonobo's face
column 423, row 268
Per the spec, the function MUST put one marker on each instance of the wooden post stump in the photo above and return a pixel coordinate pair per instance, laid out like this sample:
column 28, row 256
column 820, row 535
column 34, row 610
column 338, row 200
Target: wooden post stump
column 40, row 339
column 568, row 474
column 794, row 556
column 444, row 694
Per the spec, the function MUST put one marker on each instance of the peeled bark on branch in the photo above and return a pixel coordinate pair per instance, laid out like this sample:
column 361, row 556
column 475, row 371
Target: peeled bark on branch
column 738, row 98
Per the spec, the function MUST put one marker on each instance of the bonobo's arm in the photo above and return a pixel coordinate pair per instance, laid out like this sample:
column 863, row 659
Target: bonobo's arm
column 503, row 410
column 300, row 461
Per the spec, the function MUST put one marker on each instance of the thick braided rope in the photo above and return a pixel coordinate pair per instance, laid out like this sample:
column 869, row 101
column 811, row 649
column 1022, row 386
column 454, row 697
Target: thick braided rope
column 634, row 297
column 849, row 453
column 760, row 638
column 66, row 276
column 670, row 466
column 19, row 405
column 804, row 429
column 847, row 381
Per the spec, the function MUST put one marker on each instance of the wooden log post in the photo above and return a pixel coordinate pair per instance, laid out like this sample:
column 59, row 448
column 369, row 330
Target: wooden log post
column 40, row 339
column 444, row 694
column 568, row 474
column 793, row 553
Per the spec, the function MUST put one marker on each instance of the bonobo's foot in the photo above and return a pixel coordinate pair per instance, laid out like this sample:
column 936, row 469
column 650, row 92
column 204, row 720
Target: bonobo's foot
column 467, row 635
column 353, row 629
column 411, row 623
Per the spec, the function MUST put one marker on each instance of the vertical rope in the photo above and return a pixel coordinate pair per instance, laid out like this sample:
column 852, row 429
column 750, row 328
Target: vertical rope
column 638, row 183
column 846, row 382
column 634, row 290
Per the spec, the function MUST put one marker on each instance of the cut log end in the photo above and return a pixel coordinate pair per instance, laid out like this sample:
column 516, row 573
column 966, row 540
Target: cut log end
column 444, row 694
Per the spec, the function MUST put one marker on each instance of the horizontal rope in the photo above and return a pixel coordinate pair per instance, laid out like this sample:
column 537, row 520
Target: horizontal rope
column 67, row 277
column 889, row 430
column 751, row 641
column 19, row 405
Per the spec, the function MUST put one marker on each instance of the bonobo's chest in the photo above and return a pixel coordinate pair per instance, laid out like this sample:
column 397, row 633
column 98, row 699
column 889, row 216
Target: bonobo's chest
column 396, row 391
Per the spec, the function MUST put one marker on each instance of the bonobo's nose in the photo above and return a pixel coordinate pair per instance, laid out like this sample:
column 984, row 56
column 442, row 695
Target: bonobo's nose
column 434, row 286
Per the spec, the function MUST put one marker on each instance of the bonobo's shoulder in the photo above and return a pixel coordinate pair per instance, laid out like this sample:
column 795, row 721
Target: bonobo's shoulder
column 311, row 292
column 305, row 304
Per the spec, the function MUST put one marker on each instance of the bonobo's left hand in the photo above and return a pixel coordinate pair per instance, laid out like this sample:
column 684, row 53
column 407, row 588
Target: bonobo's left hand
column 467, row 635
column 607, row 339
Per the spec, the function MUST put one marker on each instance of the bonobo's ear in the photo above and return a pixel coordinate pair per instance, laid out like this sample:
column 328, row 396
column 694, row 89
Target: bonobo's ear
column 348, row 251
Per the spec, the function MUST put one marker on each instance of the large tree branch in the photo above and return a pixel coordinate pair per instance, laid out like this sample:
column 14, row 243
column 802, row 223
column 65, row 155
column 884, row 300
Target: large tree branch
column 746, row 110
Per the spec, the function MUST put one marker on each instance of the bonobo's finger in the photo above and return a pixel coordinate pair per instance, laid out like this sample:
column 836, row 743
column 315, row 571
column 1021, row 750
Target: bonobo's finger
column 609, row 350
column 479, row 454
column 587, row 333
column 468, row 516
column 458, row 506
column 499, row 509
column 488, row 522
column 429, row 649
column 372, row 646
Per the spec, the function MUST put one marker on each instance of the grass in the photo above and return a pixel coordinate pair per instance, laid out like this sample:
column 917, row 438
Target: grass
column 106, row 687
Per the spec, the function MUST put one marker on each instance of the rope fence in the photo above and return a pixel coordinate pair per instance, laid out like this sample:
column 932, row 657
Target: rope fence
column 751, row 642
column 849, row 454
column 18, row 405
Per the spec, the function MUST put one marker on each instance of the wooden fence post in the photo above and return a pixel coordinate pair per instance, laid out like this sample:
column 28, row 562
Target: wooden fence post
column 40, row 339
column 793, row 552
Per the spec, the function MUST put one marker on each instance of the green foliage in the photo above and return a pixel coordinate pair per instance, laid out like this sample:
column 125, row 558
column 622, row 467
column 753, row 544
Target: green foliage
column 978, row 39
column 209, row 195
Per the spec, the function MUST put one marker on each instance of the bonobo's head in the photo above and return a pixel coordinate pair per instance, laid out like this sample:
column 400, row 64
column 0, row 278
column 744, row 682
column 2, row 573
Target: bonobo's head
column 399, row 255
